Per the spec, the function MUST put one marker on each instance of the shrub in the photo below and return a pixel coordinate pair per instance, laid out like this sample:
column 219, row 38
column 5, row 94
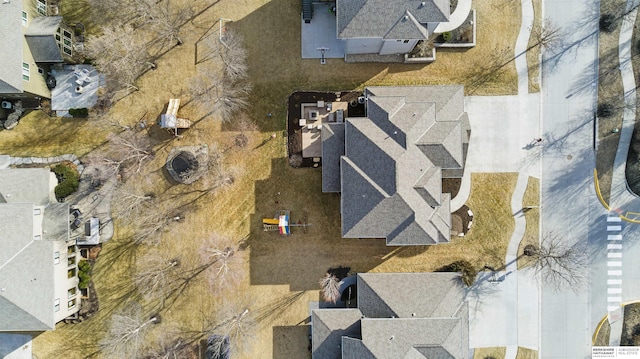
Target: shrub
column 68, row 180
column 84, row 274
column 79, row 112
column 608, row 23
column 446, row 36
column 605, row 110
column 463, row 267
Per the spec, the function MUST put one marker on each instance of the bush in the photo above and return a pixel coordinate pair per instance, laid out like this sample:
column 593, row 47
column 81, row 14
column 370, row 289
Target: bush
column 463, row 267
column 84, row 274
column 605, row 110
column 446, row 36
column 68, row 180
column 608, row 23
column 79, row 112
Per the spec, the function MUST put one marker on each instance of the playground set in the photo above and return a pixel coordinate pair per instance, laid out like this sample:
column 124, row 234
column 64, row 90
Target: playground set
column 281, row 222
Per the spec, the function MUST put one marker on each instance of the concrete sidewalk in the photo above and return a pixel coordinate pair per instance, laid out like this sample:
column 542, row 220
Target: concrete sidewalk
column 621, row 197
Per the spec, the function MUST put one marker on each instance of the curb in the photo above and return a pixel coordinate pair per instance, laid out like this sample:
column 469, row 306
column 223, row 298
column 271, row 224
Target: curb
column 605, row 205
column 599, row 326
column 597, row 186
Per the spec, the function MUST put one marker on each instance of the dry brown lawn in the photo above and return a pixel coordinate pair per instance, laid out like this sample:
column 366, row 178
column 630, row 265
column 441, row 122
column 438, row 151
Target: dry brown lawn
column 602, row 337
column 493, row 352
column 532, row 216
column 525, row 353
column 281, row 272
column 533, row 55
column 39, row 135
column 609, row 91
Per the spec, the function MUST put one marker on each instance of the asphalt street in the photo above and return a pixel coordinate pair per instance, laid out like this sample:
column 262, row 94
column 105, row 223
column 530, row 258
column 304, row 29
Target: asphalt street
column 570, row 207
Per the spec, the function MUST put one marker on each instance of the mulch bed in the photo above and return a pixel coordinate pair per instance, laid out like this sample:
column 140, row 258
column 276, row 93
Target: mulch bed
column 460, row 221
column 294, row 132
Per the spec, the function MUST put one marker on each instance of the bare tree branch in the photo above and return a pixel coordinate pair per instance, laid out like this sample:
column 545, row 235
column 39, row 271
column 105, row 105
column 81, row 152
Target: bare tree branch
column 330, row 288
column 559, row 264
column 126, row 333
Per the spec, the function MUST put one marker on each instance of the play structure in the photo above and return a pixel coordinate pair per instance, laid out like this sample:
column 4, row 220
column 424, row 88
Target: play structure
column 170, row 120
column 281, row 222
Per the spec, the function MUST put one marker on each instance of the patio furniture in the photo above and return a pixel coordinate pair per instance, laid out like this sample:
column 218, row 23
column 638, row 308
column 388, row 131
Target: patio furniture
column 302, row 122
column 313, row 115
column 320, row 104
column 82, row 76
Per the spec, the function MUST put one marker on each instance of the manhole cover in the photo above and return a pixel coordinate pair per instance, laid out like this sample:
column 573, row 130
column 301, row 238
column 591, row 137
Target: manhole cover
column 569, row 157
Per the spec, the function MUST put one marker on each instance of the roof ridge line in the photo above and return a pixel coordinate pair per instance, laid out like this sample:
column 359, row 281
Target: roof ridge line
column 366, row 177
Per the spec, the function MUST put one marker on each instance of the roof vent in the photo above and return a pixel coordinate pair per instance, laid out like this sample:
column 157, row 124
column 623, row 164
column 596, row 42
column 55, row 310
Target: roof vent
column 414, row 314
column 393, row 336
column 423, row 4
column 406, row 17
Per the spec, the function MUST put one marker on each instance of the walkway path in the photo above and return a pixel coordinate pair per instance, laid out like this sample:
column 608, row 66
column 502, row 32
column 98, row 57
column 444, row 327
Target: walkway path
column 6, row 161
column 621, row 197
column 456, row 19
column 504, row 305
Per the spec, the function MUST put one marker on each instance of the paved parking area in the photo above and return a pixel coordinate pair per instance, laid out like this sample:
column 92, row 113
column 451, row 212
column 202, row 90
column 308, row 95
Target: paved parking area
column 321, row 33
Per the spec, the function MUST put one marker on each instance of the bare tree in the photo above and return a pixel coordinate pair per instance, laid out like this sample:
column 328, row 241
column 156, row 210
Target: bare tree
column 156, row 275
column 153, row 223
column 166, row 18
column 330, row 288
column 548, row 35
column 224, row 264
column 126, row 334
column 231, row 334
column 126, row 154
column 128, row 202
column 120, row 54
column 218, row 94
column 229, row 49
column 559, row 264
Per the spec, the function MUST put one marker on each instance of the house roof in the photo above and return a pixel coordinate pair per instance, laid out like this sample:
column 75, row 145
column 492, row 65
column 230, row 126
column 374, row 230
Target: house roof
column 332, row 148
column 12, row 47
column 399, row 315
column 329, row 327
column 40, row 36
column 389, row 19
column 391, row 171
column 26, row 262
column 27, row 185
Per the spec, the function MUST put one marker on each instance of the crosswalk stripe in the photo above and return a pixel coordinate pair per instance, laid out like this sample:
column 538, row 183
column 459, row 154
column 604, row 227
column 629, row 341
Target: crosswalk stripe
column 614, row 281
column 614, row 246
column 614, row 264
column 614, row 272
column 614, row 299
column 614, row 219
column 614, row 228
column 614, row 290
column 614, row 237
column 614, row 255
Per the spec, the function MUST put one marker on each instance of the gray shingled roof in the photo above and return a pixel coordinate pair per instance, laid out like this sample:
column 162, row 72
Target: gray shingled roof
column 26, row 263
column 30, row 185
column 332, row 150
column 40, row 38
column 404, row 315
column 391, row 171
column 390, row 19
column 329, row 326
column 12, row 45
